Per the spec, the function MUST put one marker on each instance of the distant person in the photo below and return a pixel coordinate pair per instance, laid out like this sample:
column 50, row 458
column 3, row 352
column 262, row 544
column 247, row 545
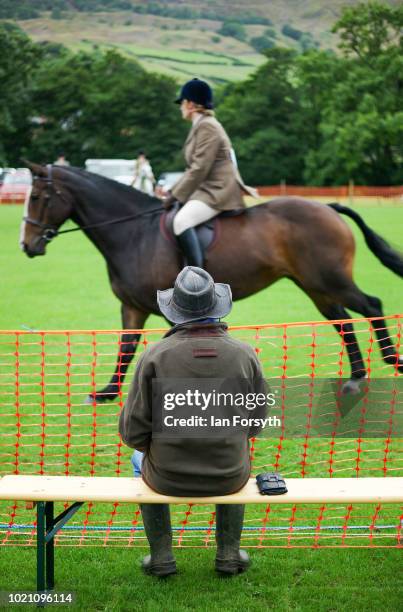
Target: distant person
column 211, row 182
column 61, row 160
column 143, row 177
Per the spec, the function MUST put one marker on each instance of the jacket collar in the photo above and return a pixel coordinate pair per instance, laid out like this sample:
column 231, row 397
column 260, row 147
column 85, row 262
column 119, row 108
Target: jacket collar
column 194, row 127
column 198, row 329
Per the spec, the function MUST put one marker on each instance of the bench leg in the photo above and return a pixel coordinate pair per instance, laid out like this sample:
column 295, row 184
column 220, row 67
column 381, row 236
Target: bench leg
column 50, row 548
column 40, row 546
column 45, row 551
column 47, row 527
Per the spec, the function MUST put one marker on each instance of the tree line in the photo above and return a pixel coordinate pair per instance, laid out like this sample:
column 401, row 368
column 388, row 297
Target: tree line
column 26, row 9
column 315, row 117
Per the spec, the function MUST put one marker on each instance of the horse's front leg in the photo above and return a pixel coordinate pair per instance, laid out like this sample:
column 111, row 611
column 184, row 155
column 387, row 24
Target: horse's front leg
column 131, row 319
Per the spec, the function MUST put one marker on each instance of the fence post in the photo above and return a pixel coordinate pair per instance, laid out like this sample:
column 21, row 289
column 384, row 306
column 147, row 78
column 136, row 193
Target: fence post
column 283, row 187
column 351, row 192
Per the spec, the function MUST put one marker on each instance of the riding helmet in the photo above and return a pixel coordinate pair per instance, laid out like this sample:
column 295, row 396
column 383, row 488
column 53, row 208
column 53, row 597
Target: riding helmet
column 197, row 91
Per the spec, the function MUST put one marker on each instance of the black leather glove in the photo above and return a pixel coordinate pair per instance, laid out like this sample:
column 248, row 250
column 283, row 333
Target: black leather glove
column 168, row 201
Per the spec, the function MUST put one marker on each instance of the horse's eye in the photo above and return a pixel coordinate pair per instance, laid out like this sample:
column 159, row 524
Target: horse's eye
column 34, row 196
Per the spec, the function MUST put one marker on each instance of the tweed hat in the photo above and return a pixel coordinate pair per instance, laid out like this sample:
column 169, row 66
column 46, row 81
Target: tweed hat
column 195, row 296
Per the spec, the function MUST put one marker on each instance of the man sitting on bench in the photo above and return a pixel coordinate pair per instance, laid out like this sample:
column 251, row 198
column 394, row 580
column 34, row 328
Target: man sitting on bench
column 205, row 464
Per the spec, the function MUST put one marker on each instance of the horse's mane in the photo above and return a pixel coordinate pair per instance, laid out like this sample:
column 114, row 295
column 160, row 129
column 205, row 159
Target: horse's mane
column 137, row 197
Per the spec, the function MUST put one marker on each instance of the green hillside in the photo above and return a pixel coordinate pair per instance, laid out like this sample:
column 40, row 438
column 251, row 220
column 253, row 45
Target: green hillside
column 220, row 41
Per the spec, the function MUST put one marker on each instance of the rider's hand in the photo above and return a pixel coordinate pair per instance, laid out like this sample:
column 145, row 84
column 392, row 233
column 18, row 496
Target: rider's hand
column 168, row 201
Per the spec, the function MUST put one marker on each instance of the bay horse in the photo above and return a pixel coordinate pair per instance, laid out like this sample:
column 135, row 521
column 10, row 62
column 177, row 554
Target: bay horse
column 303, row 240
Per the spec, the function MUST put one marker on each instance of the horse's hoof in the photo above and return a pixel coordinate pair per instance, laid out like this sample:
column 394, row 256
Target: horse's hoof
column 99, row 399
column 352, row 386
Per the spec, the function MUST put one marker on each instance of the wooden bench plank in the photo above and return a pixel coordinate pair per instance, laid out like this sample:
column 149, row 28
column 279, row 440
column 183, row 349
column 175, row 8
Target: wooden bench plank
column 134, row 490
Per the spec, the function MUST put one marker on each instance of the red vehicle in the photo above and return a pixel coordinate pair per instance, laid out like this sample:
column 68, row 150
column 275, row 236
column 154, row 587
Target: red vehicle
column 15, row 186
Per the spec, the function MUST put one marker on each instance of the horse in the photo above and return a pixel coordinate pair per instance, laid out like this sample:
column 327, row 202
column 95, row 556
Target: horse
column 305, row 241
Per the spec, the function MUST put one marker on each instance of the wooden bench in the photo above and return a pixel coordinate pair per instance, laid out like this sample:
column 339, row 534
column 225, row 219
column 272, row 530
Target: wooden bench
column 45, row 490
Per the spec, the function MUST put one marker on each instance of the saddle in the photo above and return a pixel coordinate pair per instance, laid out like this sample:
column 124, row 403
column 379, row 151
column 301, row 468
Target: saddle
column 208, row 233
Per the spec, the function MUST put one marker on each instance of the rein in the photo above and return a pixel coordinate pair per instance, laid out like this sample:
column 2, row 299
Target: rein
column 51, row 232
column 112, row 222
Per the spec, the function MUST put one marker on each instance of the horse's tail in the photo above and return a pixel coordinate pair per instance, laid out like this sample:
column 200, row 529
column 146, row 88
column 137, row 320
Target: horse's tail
column 383, row 251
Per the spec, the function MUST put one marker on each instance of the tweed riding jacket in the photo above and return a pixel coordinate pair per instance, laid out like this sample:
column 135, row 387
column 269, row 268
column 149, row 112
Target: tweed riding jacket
column 211, row 176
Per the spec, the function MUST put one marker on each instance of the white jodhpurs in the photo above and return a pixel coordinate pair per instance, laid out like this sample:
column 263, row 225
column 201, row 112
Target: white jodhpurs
column 191, row 214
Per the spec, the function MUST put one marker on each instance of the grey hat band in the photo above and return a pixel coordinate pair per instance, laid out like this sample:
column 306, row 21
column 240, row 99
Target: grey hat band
column 193, row 310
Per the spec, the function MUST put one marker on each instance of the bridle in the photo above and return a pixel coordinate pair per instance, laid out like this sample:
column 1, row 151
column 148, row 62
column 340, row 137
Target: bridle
column 50, row 231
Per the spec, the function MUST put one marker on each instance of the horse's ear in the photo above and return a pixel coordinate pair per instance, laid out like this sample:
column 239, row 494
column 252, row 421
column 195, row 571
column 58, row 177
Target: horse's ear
column 36, row 169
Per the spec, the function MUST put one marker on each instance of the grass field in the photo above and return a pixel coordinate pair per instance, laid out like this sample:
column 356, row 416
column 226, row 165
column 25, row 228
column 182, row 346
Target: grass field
column 177, row 48
column 284, row 581
column 68, row 289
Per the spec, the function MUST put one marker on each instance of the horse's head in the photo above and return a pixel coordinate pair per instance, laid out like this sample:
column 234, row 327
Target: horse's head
column 47, row 207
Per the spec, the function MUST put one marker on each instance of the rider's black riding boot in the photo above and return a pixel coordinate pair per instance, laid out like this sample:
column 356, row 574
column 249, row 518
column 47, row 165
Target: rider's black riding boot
column 157, row 525
column 230, row 560
column 190, row 245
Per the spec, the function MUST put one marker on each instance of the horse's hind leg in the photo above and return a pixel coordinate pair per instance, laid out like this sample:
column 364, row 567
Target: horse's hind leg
column 332, row 312
column 131, row 319
column 370, row 306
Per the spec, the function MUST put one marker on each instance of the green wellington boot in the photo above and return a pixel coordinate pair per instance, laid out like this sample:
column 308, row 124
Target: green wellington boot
column 157, row 525
column 230, row 560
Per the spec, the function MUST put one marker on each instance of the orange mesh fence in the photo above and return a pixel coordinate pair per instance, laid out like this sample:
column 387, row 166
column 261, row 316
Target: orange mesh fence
column 17, row 193
column 47, row 428
column 344, row 191
column 15, row 196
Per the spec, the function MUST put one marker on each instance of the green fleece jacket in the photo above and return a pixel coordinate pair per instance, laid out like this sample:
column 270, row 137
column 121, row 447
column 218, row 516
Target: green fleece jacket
column 191, row 466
